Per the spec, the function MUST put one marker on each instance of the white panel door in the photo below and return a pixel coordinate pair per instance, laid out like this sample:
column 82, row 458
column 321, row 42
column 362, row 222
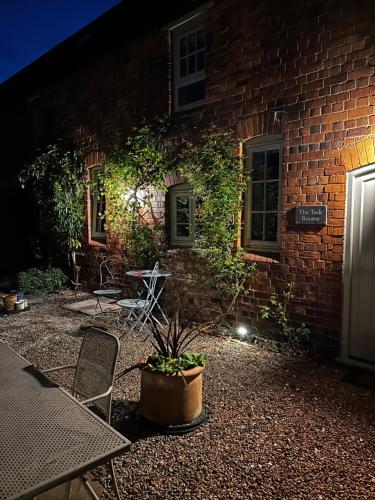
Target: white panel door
column 360, row 265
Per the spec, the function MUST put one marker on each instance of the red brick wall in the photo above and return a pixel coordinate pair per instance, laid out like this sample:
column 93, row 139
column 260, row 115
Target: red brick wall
column 302, row 69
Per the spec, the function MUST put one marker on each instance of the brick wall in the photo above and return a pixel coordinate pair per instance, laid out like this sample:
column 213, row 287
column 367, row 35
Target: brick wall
column 301, row 69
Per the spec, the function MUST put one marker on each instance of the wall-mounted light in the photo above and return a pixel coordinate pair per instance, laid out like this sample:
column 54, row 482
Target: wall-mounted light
column 133, row 196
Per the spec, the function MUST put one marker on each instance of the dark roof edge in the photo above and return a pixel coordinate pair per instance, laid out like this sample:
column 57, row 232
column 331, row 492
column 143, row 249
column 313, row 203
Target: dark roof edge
column 113, row 28
column 66, row 44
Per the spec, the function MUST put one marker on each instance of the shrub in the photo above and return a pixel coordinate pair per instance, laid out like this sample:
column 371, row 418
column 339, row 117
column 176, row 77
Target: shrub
column 42, row 281
column 296, row 337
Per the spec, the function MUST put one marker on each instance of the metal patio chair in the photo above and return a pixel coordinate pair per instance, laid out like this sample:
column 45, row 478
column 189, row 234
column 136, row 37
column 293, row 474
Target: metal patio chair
column 109, row 286
column 93, row 379
column 140, row 310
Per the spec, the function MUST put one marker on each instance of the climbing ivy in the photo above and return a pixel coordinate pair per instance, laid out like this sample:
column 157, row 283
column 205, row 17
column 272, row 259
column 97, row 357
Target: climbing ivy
column 215, row 172
column 133, row 174
column 58, row 178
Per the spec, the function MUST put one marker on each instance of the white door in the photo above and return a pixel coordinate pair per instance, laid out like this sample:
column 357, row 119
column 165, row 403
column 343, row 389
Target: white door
column 359, row 270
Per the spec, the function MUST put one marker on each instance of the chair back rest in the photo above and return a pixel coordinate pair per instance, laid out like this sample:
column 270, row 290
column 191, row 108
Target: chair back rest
column 96, row 367
column 107, row 272
column 152, row 283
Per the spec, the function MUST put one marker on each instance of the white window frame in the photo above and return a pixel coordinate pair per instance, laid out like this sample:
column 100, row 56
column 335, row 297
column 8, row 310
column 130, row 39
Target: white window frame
column 263, row 143
column 95, row 202
column 192, row 26
column 174, row 193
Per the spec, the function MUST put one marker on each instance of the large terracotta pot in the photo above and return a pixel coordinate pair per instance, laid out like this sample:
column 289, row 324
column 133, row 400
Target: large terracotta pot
column 171, row 399
column 9, row 301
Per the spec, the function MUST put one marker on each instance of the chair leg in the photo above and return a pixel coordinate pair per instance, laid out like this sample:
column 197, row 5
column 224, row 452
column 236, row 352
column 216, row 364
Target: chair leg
column 98, row 304
column 114, row 482
column 88, row 488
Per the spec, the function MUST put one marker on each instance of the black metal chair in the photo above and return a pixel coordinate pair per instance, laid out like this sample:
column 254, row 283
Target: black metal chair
column 93, row 378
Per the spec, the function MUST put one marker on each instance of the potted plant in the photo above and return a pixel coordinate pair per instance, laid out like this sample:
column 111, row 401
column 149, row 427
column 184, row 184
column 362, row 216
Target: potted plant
column 171, row 377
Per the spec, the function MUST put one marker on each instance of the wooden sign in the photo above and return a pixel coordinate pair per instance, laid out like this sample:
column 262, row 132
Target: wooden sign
column 311, row 215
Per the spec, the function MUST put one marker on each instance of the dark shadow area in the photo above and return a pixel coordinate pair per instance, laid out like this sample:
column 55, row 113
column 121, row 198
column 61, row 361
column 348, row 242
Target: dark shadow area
column 359, row 377
column 125, row 418
column 38, row 375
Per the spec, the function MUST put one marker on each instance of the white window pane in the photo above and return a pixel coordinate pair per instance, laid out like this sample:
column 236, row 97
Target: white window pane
column 182, row 202
column 191, row 64
column 183, row 67
column 257, row 227
column 201, row 39
column 183, row 47
column 192, row 92
column 257, row 196
column 272, row 196
column 272, row 170
column 183, row 216
column 258, row 166
column 183, row 231
column 192, row 43
column 271, row 227
column 200, row 60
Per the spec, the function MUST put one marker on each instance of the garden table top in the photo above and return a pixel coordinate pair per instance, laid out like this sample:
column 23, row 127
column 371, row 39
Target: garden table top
column 146, row 273
column 47, row 437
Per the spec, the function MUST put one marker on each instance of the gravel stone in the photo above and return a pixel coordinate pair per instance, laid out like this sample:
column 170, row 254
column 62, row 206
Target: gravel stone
column 279, row 428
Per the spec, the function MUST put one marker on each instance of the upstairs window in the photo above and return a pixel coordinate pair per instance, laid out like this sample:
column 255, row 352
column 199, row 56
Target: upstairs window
column 98, row 205
column 262, row 204
column 190, row 42
column 182, row 208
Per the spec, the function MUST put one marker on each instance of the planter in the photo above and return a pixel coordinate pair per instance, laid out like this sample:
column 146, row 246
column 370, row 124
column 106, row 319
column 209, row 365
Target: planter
column 9, row 301
column 171, row 399
column 19, row 293
column 19, row 305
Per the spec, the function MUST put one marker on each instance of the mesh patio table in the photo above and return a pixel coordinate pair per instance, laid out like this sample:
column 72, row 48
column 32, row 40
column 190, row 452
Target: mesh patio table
column 46, row 436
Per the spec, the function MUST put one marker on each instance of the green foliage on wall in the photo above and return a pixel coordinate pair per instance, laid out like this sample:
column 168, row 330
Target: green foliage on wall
column 58, row 179
column 276, row 313
column 132, row 176
column 215, row 172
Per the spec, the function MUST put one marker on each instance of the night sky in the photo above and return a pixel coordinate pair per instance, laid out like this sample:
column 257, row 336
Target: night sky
column 29, row 28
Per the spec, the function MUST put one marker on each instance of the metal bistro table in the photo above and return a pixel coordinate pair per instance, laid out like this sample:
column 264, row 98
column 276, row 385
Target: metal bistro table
column 46, row 436
column 145, row 275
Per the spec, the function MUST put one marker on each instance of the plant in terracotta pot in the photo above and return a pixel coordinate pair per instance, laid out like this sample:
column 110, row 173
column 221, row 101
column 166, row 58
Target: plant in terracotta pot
column 171, row 378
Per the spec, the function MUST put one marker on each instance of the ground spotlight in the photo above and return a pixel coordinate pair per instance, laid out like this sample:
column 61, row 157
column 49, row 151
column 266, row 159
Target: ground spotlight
column 242, row 331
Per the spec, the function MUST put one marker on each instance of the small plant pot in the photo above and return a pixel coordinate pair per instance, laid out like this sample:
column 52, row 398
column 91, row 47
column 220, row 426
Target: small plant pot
column 18, row 292
column 9, row 302
column 19, row 305
column 171, row 399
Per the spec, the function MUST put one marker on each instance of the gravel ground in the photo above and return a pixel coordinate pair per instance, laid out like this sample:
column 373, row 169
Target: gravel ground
column 278, row 428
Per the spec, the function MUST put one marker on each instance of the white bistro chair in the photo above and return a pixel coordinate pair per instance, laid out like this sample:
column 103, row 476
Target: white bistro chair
column 139, row 311
column 107, row 287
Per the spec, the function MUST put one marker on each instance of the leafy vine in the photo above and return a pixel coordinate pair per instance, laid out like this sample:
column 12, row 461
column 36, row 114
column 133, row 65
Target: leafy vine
column 58, row 179
column 215, row 173
column 133, row 174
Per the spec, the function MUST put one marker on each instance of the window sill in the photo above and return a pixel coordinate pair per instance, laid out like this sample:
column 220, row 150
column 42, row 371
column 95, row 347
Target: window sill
column 189, row 108
column 256, row 257
column 180, row 245
column 98, row 243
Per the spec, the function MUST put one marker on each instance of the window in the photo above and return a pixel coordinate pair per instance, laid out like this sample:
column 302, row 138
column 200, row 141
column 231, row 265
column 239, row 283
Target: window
column 262, row 204
column 97, row 206
column 182, row 207
column 189, row 64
